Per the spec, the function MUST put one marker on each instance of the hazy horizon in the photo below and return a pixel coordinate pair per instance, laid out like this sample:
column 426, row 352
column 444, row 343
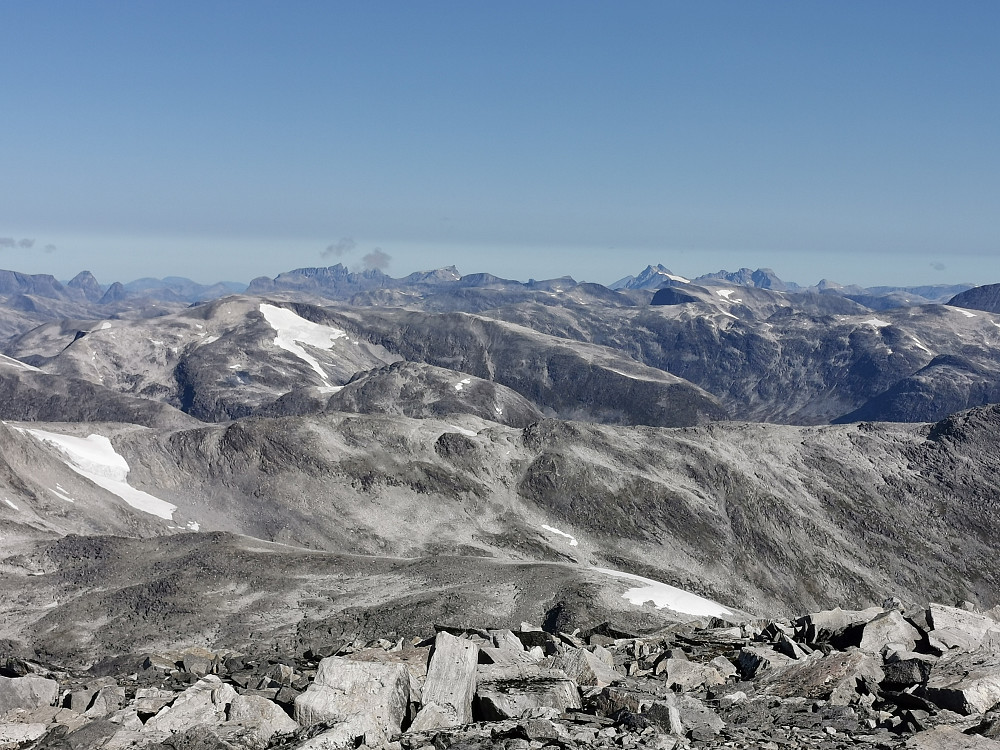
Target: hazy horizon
column 220, row 140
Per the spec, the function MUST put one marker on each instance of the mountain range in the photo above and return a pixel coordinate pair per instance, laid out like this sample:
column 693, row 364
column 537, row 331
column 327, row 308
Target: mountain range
column 358, row 451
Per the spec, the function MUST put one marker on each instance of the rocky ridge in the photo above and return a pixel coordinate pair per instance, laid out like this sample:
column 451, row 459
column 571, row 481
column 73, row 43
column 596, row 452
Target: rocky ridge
column 878, row 678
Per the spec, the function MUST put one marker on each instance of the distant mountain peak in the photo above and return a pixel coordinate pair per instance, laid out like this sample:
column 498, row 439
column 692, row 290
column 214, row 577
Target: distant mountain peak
column 651, row 277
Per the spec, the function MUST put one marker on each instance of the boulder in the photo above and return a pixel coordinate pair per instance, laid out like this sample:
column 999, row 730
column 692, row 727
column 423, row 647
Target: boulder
column 205, row 702
column 963, row 630
column 685, row 716
column 107, row 700
column 450, row 684
column 888, row 627
column 824, row 626
column 16, row 734
column 368, row 699
column 514, row 692
column 947, row 738
column 28, row 692
column 263, row 717
column 835, row 678
column 586, row 668
column 905, row 668
column 968, row 683
column 755, row 660
column 687, row 675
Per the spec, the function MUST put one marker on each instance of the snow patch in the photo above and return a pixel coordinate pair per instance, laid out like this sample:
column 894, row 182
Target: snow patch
column 877, row 322
column 11, row 362
column 967, row 314
column 329, row 388
column 96, row 459
column 462, row 383
column 104, row 326
column 921, row 346
column 62, row 496
column 470, row 433
column 193, row 526
column 11, row 504
column 726, row 293
column 572, row 539
column 679, row 279
column 666, row 596
column 294, row 330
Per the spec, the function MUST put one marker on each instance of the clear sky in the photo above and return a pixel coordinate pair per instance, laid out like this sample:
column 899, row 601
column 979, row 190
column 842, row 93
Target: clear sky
column 857, row 141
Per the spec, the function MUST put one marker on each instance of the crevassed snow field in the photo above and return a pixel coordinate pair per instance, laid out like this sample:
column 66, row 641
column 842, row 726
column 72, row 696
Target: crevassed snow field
column 293, row 330
column 664, row 595
column 95, row 458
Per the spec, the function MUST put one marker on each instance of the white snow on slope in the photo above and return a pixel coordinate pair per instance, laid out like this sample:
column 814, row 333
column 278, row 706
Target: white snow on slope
column 463, row 431
column 294, row 330
column 877, row 322
column 664, row 595
column 104, row 326
column 11, row 504
column 967, row 314
column 921, row 346
column 725, row 293
column 95, row 458
column 62, row 496
column 11, row 362
column 679, row 279
column 462, row 383
column 572, row 539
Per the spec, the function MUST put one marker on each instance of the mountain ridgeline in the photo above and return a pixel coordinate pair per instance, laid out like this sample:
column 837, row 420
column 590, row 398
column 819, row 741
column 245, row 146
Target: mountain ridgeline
column 339, row 452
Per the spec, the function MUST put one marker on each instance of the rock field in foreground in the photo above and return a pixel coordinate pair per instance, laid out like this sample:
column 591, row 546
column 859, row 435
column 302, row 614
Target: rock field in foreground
column 878, row 678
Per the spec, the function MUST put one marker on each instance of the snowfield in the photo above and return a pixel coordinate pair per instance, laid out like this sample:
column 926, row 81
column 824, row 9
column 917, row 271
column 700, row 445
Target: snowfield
column 664, row 595
column 293, row 330
column 96, row 459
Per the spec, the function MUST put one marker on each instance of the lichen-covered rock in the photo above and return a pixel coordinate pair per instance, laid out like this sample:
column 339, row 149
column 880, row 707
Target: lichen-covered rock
column 450, row 684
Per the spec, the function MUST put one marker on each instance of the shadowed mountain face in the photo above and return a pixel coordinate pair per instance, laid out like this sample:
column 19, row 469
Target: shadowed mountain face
column 986, row 298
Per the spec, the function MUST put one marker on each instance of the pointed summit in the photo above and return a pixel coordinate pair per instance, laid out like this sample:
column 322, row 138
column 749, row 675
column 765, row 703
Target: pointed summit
column 85, row 283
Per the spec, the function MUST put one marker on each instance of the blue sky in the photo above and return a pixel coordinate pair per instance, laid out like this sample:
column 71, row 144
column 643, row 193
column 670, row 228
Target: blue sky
column 856, row 141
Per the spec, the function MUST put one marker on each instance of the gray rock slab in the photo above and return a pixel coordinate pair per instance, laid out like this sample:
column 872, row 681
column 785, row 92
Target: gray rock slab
column 960, row 629
column 821, row 626
column 260, row 715
column 587, row 669
column 888, row 627
column 205, row 702
column 450, row 684
column 514, row 692
column 755, row 660
column 947, row 738
column 968, row 683
column 366, row 698
column 28, row 692
column 685, row 715
column 20, row 733
column 834, row 678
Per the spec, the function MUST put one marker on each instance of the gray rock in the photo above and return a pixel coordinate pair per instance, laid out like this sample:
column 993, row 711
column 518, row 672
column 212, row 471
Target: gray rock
column 20, row 733
column 968, row 683
column 822, row 626
column 28, row 692
column 835, row 678
column 960, row 629
column 513, row 692
column 586, row 668
column 685, row 715
column 904, row 668
column 888, row 627
column 687, row 675
column 368, row 699
column 450, row 684
column 755, row 660
column 205, row 702
column 947, row 738
column 263, row 717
